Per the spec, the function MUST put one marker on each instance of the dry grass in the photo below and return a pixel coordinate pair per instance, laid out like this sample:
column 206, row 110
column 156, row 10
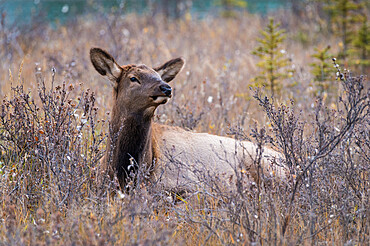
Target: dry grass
column 53, row 133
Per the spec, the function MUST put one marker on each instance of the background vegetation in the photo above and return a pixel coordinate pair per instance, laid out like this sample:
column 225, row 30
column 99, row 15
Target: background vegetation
column 55, row 112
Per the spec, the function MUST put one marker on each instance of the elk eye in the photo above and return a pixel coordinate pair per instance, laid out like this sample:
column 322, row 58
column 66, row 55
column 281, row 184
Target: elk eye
column 133, row 79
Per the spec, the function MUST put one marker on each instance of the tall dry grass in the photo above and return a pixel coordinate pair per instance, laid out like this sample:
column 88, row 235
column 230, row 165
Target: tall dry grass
column 55, row 115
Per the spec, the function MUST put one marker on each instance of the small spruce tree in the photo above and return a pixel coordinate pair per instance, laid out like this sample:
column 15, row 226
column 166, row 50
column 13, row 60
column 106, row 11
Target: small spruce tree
column 344, row 14
column 361, row 47
column 322, row 68
column 273, row 60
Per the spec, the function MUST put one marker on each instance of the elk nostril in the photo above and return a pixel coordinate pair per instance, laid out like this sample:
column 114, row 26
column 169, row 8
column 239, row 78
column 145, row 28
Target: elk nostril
column 166, row 89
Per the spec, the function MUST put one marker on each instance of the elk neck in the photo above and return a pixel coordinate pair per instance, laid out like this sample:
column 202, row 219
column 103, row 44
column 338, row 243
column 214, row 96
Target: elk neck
column 131, row 138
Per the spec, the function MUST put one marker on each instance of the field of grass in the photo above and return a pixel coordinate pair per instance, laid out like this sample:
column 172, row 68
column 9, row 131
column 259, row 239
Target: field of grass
column 55, row 118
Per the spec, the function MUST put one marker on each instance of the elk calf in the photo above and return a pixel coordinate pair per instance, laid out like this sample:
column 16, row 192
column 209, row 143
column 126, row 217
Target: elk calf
column 179, row 158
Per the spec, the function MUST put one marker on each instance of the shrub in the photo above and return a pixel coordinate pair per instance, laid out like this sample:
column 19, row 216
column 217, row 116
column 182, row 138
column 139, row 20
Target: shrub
column 328, row 165
column 50, row 144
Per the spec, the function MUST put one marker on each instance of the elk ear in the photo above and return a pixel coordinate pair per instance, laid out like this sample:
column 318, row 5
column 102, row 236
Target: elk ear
column 170, row 69
column 105, row 64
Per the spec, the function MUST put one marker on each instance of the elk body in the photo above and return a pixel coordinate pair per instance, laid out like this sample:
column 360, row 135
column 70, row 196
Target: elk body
column 179, row 158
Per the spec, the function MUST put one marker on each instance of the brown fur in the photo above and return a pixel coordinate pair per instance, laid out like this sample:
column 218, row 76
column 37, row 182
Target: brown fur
column 180, row 157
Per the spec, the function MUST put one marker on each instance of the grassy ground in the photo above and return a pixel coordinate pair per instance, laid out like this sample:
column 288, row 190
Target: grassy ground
column 55, row 114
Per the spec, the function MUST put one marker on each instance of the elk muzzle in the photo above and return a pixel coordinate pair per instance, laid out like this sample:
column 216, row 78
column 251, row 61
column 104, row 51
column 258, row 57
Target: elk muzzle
column 165, row 92
column 166, row 89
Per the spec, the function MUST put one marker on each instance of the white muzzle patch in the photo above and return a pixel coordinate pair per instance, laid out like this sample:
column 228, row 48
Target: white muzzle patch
column 161, row 99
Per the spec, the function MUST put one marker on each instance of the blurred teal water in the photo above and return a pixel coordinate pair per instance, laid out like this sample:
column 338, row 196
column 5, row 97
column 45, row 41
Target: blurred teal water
column 20, row 12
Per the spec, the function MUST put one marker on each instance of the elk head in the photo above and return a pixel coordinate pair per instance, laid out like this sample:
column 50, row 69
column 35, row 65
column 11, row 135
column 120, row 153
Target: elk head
column 138, row 89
